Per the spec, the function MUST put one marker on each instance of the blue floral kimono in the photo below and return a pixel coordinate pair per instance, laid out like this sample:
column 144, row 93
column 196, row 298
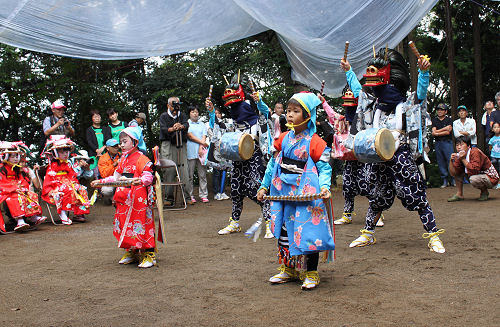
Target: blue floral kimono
column 306, row 222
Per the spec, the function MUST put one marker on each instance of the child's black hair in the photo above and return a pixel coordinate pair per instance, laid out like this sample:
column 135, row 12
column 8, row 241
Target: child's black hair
column 305, row 114
column 463, row 139
column 192, row 108
column 491, row 134
column 110, row 111
column 17, row 170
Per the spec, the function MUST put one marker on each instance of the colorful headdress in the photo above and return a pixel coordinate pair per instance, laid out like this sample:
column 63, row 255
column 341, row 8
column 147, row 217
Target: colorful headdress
column 136, row 134
column 348, row 97
column 237, row 91
column 57, row 142
column 309, row 102
column 388, row 67
column 12, row 147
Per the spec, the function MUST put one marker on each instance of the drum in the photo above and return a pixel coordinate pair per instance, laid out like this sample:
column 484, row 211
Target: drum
column 374, row 145
column 237, row 146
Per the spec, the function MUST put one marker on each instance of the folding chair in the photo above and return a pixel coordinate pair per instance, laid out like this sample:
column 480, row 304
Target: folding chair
column 177, row 184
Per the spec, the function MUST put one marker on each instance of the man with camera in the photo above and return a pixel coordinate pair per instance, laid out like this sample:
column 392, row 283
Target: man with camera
column 58, row 123
column 173, row 138
column 81, row 165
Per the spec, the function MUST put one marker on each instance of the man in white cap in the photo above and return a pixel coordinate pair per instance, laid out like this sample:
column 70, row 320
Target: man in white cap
column 58, row 123
column 81, row 165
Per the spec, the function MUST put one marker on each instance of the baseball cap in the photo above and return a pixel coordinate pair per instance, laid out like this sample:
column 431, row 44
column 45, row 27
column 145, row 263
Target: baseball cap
column 141, row 115
column 57, row 105
column 462, row 107
column 442, row 106
column 111, row 142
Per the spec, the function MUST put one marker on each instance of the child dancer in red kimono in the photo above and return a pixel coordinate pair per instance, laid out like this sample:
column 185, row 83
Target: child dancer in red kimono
column 134, row 222
column 14, row 188
column 60, row 186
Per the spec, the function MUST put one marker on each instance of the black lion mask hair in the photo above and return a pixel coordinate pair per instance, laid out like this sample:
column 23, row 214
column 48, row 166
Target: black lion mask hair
column 400, row 73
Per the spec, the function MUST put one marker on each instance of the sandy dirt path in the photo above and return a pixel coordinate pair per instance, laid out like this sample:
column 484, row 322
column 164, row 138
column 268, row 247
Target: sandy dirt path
column 69, row 275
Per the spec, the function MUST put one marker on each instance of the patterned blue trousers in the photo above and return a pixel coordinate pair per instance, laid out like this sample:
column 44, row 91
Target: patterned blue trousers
column 401, row 177
column 246, row 177
column 367, row 180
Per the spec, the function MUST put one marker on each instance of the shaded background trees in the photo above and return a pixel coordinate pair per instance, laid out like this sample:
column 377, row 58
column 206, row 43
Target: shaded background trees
column 30, row 81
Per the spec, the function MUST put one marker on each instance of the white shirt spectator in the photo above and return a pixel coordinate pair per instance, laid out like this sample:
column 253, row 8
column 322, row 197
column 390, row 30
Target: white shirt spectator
column 468, row 126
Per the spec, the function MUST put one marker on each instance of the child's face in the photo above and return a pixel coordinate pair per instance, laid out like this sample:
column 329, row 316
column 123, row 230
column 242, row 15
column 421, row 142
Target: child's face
column 194, row 115
column 126, row 143
column 496, row 128
column 113, row 117
column 14, row 158
column 294, row 114
column 462, row 146
column 63, row 153
column 218, row 114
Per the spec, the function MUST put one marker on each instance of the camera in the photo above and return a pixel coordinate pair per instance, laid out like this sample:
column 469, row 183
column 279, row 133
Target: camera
column 176, row 105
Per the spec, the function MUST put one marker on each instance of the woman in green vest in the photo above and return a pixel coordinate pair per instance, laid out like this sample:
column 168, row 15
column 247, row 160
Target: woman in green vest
column 96, row 138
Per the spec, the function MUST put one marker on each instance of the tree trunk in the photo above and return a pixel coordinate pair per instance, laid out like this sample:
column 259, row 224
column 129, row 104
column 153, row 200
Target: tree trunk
column 478, row 75
column 145, row 106
column 451, row 60
column 14, row 119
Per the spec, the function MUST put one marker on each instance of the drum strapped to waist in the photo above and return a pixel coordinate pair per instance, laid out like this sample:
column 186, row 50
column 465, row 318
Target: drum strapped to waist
column 237, row 146
column 374, row 145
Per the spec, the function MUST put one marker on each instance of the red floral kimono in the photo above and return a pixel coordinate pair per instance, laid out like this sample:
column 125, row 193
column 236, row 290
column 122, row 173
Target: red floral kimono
column 14, row 190
column 61, row 188
column 134, row 204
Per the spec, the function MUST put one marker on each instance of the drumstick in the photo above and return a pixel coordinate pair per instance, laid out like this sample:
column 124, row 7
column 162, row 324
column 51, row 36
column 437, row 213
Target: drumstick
column 252, row 86
column 303, row 197
column 322, row 87
column 114, row 184
column 346, row 49
column 210, row 92
column 374, row 54
column 414, row 49
column 227, row 83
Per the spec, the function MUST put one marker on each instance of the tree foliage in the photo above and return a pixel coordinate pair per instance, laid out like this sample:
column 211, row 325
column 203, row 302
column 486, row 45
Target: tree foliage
column 30, row 81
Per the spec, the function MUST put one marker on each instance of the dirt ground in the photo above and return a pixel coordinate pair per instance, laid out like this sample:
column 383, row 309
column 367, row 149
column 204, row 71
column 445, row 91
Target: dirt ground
column 69, row 275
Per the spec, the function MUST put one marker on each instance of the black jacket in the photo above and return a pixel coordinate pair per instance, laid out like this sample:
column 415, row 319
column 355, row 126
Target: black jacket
column 92, row 139
column 166, row 121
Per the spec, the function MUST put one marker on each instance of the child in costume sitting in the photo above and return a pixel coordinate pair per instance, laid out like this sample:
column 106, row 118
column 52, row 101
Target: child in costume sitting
column 134, row 222
column 60, row 186
column 15, row 188
column 300, row 166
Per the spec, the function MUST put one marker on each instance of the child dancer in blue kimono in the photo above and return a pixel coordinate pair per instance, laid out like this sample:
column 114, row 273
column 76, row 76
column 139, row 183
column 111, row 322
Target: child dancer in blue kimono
column 299, row 166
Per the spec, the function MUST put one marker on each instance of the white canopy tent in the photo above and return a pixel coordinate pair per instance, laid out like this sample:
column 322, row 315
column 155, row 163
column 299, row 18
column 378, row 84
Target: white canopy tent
column 312, row 33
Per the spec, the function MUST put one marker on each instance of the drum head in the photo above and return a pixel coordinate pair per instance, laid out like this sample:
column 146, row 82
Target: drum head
column 246, row 146
column 385, row 144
